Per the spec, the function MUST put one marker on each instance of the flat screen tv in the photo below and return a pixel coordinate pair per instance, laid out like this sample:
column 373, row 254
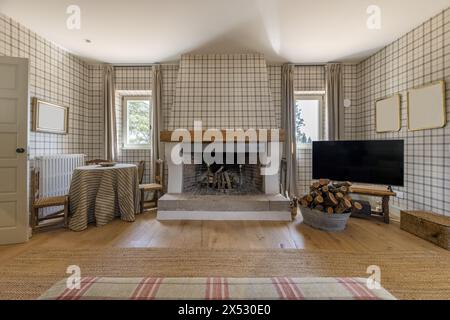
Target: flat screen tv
column 374, row 162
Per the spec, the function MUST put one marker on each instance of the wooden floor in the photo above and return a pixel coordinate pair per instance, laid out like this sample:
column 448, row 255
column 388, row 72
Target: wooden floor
column 146, row 231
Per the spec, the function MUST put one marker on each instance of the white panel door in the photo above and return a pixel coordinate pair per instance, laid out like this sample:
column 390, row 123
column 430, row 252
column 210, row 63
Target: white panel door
column 13, row 150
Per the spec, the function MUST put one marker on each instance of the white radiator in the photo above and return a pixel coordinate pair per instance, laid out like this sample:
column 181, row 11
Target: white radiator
column 56, row 175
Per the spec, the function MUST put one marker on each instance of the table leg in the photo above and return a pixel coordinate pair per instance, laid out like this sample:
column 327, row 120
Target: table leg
column 385, row 207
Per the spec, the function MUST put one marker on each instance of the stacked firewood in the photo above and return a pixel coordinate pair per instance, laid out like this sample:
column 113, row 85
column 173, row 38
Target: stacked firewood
column 330, row 197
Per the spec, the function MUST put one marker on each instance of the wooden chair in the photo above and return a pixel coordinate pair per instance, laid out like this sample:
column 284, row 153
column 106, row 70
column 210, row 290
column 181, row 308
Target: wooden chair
column 156, row 187
column 39, row 203
column 95, row 161
column 141, row 170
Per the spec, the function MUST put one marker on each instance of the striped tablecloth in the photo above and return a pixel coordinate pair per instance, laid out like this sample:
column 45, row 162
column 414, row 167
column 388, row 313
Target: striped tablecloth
column 99, row 194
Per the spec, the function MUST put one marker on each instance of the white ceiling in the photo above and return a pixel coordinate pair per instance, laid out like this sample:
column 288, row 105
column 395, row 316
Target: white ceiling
column 145, row 31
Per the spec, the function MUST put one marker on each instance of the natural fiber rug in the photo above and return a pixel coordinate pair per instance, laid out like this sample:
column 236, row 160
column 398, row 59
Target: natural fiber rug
column 406, row 275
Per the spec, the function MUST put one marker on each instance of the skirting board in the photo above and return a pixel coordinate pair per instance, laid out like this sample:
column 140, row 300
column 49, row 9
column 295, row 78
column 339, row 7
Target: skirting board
column 225, row 215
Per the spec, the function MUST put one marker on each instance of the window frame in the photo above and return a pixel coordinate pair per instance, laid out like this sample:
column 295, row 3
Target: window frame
column 125, row 144
column 320, row 96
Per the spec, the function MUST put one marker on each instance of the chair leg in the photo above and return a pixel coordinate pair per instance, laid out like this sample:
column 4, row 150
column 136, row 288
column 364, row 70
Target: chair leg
column 156, row 199
column 142, row 201
column 66, row 214
column 32, row 218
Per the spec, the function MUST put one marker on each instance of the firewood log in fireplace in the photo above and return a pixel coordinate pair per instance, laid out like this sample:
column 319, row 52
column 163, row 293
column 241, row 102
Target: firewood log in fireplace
column 221, row 179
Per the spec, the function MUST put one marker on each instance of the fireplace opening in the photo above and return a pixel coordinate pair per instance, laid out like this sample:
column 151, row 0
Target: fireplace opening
column 224, row 178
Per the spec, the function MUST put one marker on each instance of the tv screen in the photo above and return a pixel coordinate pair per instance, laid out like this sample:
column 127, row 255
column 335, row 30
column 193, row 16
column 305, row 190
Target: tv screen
column 374, row 162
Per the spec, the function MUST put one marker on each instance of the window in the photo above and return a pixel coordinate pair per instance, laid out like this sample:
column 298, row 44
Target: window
column 308, row 119
column 136, row 124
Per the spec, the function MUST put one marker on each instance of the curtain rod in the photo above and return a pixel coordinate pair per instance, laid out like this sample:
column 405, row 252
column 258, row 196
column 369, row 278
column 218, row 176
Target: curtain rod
column 321, row 65
column 125, row 65
column 308, row 65
column 174, row 63
column 134, row 65
column 153, row 64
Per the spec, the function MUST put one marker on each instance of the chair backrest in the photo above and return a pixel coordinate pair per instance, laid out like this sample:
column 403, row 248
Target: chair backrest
column 95, row 161
column 159, row 174
column 159, row 171
column 141, row 170
column 34, row 184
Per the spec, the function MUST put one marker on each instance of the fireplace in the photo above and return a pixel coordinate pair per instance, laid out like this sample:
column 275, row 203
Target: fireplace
column 195, row 191
column 228, row 93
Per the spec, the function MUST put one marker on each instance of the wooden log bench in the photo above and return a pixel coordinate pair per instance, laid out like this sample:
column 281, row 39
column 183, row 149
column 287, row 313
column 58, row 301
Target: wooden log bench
column 384, row 194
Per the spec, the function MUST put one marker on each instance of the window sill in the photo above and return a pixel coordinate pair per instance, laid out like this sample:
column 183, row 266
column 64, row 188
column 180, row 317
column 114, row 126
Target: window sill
column 304, row 146
column 135, row 148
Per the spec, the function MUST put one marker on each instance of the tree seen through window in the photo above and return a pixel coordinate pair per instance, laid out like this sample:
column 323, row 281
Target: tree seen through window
column 307, row 120
column 138, row 117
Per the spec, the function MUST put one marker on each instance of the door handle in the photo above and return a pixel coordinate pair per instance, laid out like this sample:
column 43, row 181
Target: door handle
column 20, row 150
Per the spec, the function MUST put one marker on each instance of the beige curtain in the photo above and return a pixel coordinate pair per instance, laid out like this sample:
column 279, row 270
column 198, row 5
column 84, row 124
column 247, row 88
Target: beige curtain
column 335, row 98
column 288, row 124
column 156, row 118
column 109, row 113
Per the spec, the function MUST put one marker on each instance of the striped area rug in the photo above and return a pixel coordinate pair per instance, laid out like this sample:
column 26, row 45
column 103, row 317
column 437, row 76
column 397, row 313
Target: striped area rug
column 277, row 288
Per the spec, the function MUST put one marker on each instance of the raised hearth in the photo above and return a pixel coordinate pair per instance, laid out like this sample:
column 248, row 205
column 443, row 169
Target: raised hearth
column 185, row 206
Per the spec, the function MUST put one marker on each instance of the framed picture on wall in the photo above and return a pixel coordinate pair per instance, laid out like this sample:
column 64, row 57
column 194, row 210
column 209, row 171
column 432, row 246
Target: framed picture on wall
column 388, row 113
column 426, row 107
column 49, row 117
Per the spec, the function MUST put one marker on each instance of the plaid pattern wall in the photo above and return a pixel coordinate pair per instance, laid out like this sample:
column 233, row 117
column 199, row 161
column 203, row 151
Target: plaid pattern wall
column 55, row 76
column 419, row 57
column 94, row 140
column 169, row 80
column 133, row 78
column 309, row 78
column 350, row 93
column 223, row 91
column 274, row 74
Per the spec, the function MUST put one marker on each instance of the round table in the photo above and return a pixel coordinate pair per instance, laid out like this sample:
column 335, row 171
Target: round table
column 101, row 193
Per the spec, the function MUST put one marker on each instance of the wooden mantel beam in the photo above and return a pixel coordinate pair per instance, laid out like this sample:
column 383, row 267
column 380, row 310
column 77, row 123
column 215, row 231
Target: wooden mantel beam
column 166, row 136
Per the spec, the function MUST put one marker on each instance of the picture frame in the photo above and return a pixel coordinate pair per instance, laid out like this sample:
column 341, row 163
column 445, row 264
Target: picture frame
column 427, row 107
column 388, row 114
column 49, row 117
